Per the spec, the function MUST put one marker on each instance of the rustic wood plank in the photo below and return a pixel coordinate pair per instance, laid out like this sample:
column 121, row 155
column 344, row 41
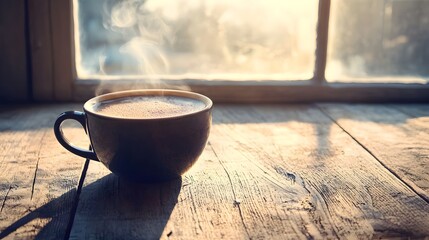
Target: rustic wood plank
column 110, row 208
column 13, row 56
column 41, row 49
column 358, row 196
column 37, row 176
column 420, row 111
column 396, row 134
column 270, row 171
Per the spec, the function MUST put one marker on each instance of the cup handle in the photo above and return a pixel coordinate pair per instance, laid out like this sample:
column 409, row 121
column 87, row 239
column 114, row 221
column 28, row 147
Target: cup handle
column 81, row 118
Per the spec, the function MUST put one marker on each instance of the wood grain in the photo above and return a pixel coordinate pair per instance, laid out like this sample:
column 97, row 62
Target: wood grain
column 419, row 111
column 37, row 176
column 397, row 135
column 194, row 206
column 268, row 172
column 356, row 193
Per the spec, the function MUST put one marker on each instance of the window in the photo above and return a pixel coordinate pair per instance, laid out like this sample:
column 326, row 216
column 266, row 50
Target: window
column 240, row 51
column 200, row 39
column 379, row 41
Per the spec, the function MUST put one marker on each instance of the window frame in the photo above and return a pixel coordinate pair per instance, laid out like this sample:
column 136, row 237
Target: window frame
column 54, row 74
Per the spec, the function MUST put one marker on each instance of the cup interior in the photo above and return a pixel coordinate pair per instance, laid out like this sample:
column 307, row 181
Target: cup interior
column 89, row 105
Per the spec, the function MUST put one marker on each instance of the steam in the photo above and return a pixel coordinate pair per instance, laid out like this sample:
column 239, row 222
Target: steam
column 123, row 15
column 197, row 39
column 143, row 54
column 147, row 32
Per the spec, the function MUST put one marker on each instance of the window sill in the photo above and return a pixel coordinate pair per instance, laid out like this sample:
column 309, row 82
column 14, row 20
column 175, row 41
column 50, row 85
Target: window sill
column 267, row 91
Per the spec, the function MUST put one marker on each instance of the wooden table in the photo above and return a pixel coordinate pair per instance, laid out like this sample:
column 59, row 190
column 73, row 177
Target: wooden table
column 267, row 172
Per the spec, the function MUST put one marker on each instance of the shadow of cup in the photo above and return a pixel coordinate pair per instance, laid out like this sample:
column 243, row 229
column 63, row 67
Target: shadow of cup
column 109, row 206
column 124, row 209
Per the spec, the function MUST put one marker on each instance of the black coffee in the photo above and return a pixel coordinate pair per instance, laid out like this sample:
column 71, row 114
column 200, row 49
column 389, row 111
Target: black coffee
column 148, row 106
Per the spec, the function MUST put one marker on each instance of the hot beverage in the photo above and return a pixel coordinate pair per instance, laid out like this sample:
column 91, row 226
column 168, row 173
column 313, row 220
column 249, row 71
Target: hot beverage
column 143, row 107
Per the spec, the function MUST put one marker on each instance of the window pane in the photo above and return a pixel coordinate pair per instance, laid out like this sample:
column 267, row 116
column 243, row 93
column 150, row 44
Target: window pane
column 379, row 41
column 222, row 39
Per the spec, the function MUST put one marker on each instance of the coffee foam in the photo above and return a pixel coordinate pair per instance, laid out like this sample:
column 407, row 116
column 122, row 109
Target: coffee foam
column 148, row 106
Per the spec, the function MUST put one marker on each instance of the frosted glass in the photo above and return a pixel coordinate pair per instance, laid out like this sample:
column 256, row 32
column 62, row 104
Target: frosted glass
column 379, row 41
column 213, row 39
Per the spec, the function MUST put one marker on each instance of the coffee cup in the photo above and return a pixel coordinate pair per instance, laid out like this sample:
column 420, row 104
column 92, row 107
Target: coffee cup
column 143, row 135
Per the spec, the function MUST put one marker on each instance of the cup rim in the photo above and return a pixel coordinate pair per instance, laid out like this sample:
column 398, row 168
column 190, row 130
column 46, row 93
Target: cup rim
column 147, row 92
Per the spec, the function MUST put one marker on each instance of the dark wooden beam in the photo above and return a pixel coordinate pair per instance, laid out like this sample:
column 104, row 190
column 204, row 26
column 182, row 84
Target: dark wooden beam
column 13, row 51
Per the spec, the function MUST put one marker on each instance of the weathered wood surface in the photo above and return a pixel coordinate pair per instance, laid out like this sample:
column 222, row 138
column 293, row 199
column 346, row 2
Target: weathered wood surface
column 38, row 177
column 397, row 135
column 268, row 172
